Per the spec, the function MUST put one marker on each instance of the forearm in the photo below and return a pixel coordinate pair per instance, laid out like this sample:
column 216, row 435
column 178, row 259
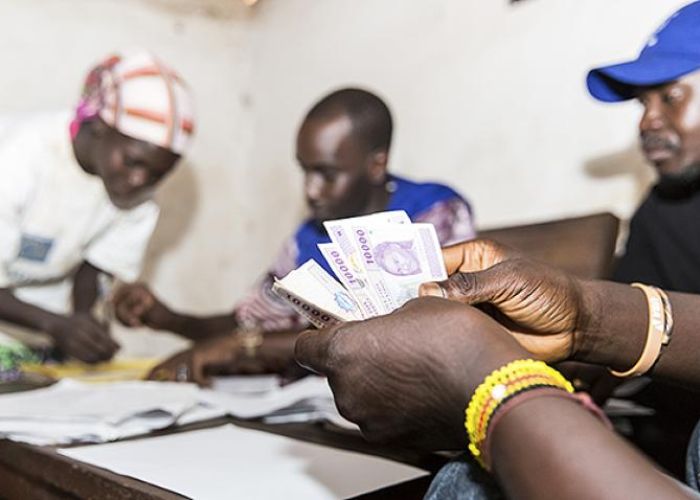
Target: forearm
column 206, row 327
column 85, row 288
column 200, row 328
column 553, row 448
column 614, row 331
column 21, row 313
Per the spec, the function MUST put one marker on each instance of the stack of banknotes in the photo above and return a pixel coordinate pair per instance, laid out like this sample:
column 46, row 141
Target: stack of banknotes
column 379, row 261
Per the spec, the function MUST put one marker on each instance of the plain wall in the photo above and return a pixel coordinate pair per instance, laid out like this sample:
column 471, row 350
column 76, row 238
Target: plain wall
column 486, row 96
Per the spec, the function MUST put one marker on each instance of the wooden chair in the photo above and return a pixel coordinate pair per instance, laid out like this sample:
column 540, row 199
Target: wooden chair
column 584, row 246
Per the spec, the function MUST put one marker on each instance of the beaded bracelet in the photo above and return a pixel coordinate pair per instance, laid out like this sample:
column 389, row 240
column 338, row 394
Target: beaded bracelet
column 580, row 398
column 498, row 387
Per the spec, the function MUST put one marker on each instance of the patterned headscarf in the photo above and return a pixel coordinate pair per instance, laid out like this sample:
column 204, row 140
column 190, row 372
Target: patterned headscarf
column 140, row 97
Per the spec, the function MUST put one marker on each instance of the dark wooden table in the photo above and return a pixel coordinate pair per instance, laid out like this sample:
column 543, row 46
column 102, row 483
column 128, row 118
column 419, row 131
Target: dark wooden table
column 33, row 472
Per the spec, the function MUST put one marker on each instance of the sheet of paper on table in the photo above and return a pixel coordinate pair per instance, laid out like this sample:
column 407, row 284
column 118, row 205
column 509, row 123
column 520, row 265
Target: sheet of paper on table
column 72, row 411
column 230, row 462
column 77, row 412
column 307, row 400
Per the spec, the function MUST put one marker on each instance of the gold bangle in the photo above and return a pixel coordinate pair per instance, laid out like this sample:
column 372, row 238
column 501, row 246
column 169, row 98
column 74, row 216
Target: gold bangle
column 658, row 330
column 668, row 315
column 250, row 338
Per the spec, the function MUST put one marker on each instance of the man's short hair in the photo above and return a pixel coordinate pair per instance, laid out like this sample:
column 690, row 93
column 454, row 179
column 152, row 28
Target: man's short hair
column 370, row 116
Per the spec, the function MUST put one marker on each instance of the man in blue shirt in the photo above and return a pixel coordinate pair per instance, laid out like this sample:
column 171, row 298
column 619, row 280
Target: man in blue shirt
column 343, row 149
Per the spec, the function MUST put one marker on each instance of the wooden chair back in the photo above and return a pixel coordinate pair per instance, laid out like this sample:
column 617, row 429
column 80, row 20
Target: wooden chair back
column 584, row 246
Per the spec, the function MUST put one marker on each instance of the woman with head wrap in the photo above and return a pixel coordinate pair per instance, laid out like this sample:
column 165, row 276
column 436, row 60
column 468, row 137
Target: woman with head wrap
column 75, row 201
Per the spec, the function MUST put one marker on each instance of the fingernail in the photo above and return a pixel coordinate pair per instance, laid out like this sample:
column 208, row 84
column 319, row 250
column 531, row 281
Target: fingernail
column 431, row 289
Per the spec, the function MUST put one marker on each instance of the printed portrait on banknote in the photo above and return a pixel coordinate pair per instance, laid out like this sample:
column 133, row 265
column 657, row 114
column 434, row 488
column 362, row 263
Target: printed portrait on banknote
column 397, row 257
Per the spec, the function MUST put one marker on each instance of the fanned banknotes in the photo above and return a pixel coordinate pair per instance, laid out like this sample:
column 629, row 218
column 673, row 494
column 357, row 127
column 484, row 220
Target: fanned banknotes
column 379, row 261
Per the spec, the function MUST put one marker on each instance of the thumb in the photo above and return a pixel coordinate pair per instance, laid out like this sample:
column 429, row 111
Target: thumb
column 468, row 288
column 311, row 350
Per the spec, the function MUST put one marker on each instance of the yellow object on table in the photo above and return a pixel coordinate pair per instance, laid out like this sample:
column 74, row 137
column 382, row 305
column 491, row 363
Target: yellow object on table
column 111, row 371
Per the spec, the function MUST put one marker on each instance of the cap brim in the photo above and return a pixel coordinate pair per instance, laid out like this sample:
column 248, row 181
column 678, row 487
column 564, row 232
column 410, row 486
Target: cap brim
column 618, row 82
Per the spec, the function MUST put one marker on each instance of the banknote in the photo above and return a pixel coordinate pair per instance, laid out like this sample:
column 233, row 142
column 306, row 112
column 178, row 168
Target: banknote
column 353, row 279
column 314, row 294
column 342, row 234
column 394, row 255
column 315, row 315
column 398, row 258
column 389, row 217
column 431, row 250
column 379, row 261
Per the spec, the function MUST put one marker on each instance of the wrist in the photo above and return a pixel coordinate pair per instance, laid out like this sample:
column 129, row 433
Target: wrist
column 168, row 320
column 49, row 323
column 612, row 324
column 586, row 333
column 490, row 360
column 477, row 374
column 80, row 314
column 490, row 356
column 504, row 388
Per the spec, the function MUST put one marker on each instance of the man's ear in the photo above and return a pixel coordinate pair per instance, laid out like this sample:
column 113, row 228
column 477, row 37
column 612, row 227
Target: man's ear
column 377, row 167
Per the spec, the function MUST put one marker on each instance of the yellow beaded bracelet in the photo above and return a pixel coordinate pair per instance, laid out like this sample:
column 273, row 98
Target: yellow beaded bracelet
column 498, row 387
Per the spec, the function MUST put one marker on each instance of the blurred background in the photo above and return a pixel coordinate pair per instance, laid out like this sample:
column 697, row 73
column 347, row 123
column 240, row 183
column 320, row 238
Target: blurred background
column 488, row 96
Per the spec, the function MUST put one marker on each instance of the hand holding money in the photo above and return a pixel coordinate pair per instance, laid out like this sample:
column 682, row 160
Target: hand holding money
column 379, row 260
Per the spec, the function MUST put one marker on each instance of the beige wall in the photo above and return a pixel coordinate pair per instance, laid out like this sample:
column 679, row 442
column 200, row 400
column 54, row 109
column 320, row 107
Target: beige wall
column 46, row 49
column 487, row 96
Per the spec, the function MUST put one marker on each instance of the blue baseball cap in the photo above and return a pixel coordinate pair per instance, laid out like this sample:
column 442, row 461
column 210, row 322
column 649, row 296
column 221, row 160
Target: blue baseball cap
column 670, row 53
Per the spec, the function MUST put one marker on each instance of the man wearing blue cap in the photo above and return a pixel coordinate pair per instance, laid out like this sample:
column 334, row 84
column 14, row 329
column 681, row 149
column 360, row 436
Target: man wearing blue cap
column 663, row 248
column 664, row 244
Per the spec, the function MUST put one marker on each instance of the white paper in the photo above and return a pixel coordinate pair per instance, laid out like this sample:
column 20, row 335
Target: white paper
column 246, row 384
column 110, row 402
column 230, row 462
column 76, row 412
column 256, row 405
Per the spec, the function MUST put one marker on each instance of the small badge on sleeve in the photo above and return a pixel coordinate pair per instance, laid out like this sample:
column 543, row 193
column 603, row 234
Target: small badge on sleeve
column 34, row 248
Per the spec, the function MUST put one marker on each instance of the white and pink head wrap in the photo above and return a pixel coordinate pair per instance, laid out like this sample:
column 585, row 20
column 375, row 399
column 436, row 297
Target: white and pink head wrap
column 140, row 97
